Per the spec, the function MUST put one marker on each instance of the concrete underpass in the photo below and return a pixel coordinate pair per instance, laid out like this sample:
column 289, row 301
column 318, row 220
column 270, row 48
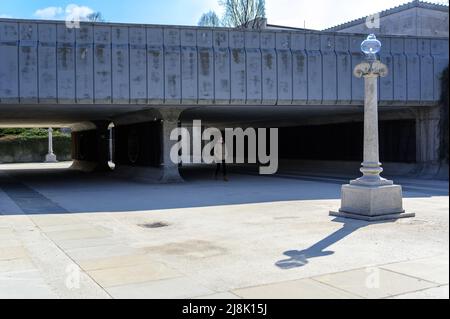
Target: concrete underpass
column 145, row 81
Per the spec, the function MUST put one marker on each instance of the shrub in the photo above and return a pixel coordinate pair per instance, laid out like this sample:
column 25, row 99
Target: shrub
column 28, row 132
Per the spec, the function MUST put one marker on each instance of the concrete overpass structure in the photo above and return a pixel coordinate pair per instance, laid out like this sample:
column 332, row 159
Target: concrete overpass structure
column 147, row 80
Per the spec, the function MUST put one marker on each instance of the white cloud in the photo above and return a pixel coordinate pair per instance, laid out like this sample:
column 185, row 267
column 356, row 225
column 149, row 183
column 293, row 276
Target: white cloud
column 49, row 13
column 79, row 12
column 72, row 11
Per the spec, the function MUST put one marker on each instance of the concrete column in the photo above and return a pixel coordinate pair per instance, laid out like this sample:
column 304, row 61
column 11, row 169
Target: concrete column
column 50, row 157
column 371, row 166
column 170, row 172
column 427, row 136
column 103, row 150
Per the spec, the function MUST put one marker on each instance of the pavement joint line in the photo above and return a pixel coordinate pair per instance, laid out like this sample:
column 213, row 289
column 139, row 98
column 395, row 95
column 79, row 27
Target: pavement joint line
column 414, row 277
column 64, row 252
column 336, row 287
column 348, row 270
column 297, row 279
column 161, row 280
column 182, row 274
column 220, row 292
column 144, row 282
column 408, row 260
column 410, row 292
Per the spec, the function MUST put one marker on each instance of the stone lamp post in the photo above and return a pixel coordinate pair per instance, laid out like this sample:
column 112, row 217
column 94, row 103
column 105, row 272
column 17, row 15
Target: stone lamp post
column 371, row 197
column 50, row 157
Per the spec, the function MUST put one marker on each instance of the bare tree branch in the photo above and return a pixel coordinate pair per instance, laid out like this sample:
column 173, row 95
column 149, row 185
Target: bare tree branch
column 95, row 17
column 209, row 19
column 243, row 13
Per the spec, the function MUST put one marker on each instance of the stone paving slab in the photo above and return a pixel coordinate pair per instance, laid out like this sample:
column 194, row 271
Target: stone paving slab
column 431, row 269
column 14, row 252
column 115, row 262
column 297, row 289
column 219, row 295
column 18, row 264
column 441, row 292
column 125, row 275
column 9, row 242
column 374, row 282
column 111, row 250
column 54, row 220
column 78, row 234
column 84, row 243
column 66, row 227
column 176, row 288
column 24, row 284
column 6, row 232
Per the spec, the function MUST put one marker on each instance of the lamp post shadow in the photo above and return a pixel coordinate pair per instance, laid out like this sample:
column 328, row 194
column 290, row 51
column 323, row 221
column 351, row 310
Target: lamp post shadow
column 299, row 258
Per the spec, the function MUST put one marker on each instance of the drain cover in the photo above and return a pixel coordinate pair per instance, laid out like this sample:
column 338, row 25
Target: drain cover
column 154, row 225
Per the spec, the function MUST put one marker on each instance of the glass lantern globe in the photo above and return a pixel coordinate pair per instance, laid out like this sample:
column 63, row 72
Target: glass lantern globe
column 371, row 46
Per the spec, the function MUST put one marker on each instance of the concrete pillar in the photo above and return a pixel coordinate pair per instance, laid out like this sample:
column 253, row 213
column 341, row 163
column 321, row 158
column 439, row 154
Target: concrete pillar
column 90, row 146
column 170, row 172
column 50, row 157
column 371, row 159
column 427, row 140
column 150, row 132
column 371, row 166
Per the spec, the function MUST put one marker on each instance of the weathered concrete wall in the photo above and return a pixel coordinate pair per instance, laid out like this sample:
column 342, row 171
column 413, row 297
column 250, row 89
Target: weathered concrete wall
column 414, row 22
column 33, row 150
column 45, row 62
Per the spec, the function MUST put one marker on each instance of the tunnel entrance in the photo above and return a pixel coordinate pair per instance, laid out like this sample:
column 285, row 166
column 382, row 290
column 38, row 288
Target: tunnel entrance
column 321, row 141
column 138, row 144
column 344, row 142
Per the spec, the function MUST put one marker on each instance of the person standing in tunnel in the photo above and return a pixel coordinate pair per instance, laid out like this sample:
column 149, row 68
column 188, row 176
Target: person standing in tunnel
column 220, row 155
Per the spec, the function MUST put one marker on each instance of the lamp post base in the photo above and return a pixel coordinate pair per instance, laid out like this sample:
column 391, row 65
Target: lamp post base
column 387, row 217
column 372, row 203
column 50, row 158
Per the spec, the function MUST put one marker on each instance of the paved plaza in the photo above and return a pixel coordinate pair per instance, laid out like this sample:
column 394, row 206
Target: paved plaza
column 65, row 234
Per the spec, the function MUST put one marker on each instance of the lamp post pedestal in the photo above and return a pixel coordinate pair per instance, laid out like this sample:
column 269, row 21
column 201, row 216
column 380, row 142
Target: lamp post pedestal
column 50, row 157
column 371, row 197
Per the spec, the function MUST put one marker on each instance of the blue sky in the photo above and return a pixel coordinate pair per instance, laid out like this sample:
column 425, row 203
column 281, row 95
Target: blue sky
column 315, row 14
column 139, row 11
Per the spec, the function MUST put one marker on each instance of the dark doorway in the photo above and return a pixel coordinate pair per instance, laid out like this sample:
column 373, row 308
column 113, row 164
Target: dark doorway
column 138, row 144
column 344, row 142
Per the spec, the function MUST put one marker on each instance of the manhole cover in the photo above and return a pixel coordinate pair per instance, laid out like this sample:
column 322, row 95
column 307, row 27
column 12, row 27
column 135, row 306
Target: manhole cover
column 154, row 225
